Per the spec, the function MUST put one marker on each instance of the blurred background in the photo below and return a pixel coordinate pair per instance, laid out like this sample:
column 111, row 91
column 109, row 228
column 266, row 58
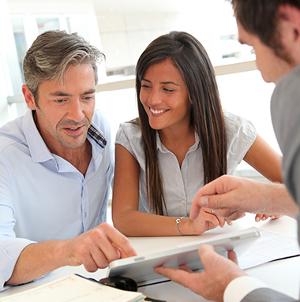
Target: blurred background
column 122, row 29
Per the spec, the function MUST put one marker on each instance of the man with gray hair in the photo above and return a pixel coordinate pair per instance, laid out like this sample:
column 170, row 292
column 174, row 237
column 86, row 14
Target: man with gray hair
column 56, row 167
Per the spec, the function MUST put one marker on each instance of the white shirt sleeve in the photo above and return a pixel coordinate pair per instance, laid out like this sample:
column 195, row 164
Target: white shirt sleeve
column 10, row 250
column 241, row 134
column 240, row 287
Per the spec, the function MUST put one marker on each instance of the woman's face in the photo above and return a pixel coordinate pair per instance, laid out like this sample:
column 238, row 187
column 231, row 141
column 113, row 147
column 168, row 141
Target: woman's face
column 164, row 96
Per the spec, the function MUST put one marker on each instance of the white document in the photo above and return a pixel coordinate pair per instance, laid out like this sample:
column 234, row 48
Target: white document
column 73, row 288
column 270, row 246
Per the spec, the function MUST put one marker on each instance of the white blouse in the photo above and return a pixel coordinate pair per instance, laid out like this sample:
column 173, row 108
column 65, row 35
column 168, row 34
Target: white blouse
column 180, row 184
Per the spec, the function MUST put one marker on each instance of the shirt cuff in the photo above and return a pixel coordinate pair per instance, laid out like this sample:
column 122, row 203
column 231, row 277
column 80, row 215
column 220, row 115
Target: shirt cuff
column 240, row 287
column 10, row 250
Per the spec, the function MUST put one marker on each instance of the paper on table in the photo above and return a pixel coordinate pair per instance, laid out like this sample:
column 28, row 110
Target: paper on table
column 270, row 246
column 75, row 289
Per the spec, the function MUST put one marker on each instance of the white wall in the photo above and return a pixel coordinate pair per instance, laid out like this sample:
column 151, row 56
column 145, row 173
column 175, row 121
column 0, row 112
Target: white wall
column 127, row 27
column 125, row 35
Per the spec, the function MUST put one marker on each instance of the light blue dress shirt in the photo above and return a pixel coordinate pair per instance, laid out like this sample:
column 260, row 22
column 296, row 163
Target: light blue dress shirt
column 180, row 183
column 43, row 196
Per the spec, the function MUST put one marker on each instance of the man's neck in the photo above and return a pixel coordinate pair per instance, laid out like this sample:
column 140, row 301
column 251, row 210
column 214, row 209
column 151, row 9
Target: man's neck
column 80, row 157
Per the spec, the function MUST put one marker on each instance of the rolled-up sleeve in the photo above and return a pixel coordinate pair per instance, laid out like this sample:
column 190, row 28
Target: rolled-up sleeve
column 10, row 250
column 10, row 246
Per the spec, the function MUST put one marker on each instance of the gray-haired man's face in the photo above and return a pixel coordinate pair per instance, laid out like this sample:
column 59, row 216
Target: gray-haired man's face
column 65, row 108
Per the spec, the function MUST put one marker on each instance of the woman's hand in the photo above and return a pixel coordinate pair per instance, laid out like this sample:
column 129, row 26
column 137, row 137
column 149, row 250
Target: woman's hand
column 260, row 216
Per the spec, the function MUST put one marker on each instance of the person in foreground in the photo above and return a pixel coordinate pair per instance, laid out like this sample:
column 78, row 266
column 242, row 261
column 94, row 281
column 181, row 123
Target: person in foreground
column 181, row 140
column 56, row 167
column 272, row 28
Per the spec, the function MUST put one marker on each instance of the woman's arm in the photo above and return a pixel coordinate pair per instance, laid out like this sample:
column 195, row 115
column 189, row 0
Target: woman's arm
column 125, row 205
column 265, row 160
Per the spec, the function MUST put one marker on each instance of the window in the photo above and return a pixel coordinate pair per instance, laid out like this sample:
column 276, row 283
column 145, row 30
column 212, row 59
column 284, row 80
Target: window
column 127, row 27
column 122, row 30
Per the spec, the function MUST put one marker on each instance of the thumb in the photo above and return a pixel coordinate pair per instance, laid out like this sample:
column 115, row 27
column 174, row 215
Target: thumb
column 232, row 256
column 211, row 260
column 212, row 195
column 207, row 254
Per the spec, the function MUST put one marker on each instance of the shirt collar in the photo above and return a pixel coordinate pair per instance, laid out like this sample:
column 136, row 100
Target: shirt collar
column 37, row 147
column 97, row 136
column 196, row 144
column 163, row 149
column 159, row 144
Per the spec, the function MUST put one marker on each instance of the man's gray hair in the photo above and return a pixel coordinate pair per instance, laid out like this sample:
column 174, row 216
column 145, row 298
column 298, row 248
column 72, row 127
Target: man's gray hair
column 52, row 52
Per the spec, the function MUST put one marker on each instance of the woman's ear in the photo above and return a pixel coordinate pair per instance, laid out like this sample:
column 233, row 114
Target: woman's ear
column 29, row 98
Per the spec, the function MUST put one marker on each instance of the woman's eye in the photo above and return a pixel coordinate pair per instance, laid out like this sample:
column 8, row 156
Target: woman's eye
column 168, row 89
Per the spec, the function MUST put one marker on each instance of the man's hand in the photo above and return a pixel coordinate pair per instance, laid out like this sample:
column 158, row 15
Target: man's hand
column 94, row 249
column 207, row 219
column 212, row 282
column 243, row 195
column 98, row 247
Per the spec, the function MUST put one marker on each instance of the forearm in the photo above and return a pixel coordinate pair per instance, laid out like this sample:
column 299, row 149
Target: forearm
column 277, row 200
column 135, row 223
column 265, row 160
column 38, row 259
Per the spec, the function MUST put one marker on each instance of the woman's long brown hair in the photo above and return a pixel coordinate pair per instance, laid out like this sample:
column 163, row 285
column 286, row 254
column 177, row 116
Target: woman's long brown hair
column 192, row 61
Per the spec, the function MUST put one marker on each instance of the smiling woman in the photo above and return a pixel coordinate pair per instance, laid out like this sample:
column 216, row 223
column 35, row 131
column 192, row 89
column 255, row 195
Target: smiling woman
column 164, row 96
column 181, row 141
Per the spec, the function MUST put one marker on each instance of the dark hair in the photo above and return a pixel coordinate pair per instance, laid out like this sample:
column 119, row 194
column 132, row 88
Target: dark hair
column 260, row 17
column 192, row 61
column 51, row 54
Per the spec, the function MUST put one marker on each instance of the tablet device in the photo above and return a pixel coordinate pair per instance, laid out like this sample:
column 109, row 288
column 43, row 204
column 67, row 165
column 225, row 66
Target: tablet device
column 141, row 268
